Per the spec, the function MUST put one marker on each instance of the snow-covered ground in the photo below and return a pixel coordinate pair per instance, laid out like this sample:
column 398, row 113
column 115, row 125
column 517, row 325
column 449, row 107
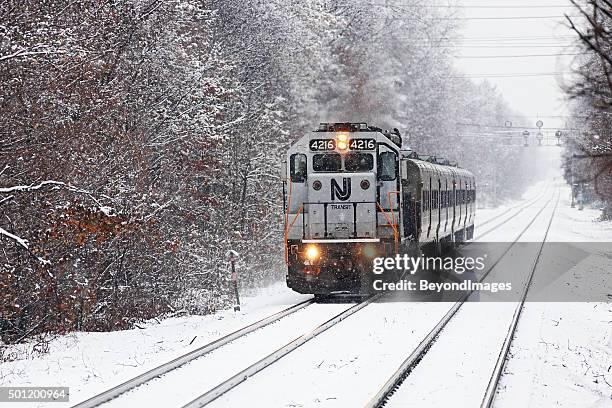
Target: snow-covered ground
column 562, row 352
column 561, row 356
column 89, row 363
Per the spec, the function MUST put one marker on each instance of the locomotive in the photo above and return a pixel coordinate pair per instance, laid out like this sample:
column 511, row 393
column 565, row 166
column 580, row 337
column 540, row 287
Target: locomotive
column 354, row 192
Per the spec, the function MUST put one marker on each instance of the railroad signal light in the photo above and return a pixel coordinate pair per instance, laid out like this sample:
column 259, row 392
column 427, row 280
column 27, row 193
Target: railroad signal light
column 526, row 136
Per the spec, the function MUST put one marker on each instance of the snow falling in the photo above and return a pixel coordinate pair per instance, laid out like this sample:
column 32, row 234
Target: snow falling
column 141, row 142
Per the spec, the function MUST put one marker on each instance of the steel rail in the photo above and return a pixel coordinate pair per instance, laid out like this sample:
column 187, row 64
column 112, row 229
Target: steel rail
column 489, row 396
column 419, row 352
column 141, row 379
column 527, row 203
column 273, row 357
column 533, row 202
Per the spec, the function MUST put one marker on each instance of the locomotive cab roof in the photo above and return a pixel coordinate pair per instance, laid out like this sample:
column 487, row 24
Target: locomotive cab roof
column 393, row 135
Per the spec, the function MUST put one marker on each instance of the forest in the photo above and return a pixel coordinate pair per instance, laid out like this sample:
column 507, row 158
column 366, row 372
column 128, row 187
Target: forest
column 142, row 139
column 588, row 159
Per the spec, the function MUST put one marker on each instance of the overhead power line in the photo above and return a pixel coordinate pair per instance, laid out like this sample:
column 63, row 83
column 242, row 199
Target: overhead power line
column 516, row 6
column 526, row 6
column 488, row 39
column 510, row 75
column 491, row 46
column 475, row 18
column 518, row 56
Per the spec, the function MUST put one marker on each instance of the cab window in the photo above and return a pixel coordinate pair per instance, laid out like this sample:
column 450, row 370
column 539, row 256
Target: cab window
column 299, row 168
column 387, row 166
column 327, row 162
column 358, row 162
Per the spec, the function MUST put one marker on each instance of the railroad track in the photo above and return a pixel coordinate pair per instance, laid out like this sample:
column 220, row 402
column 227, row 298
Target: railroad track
column 523, row 207
column 406, row 367
column 165, row 368
column 242, row 376
column 490, row 392
column 225, row 386
column 228, row 384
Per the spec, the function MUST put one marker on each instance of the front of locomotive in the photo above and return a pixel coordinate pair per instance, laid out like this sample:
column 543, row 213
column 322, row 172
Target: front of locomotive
column 341, row 207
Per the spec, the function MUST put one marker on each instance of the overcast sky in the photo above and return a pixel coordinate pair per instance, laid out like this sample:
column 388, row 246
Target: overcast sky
column 498, row 28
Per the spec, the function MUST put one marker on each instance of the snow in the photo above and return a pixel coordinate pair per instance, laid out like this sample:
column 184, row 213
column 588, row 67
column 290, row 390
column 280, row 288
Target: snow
column 561, row 355
column 206, row 372
column 20, row 241
column 562, row 352
column 32, row 187
column 340, row 368
column 89, row 363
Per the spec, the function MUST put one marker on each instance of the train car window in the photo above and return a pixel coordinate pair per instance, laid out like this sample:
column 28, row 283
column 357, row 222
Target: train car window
column 326, row 162
column 387, row 166
column 299, row 169
column 359, row 162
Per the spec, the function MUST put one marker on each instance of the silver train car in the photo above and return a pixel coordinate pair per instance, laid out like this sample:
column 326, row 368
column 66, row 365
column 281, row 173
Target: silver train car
column 352, row 193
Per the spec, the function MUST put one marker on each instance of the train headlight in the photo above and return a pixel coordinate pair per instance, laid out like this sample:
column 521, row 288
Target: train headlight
column 342, row 141
column 312, row 253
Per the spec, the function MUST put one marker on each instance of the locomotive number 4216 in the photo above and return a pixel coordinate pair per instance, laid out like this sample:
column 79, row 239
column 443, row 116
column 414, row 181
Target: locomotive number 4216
column 362, row 144
column 330, row 144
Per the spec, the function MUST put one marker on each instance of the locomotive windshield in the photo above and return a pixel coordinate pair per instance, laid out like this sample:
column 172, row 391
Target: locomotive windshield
column 299, row 169
column 358, row 162
column 327, row 162
column 387, row 166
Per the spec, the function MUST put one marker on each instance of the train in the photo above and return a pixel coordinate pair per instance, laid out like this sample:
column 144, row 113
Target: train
column 354, row 192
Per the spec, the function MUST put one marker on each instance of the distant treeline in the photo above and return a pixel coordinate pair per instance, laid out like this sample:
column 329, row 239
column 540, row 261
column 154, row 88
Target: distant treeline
column 588, row 161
